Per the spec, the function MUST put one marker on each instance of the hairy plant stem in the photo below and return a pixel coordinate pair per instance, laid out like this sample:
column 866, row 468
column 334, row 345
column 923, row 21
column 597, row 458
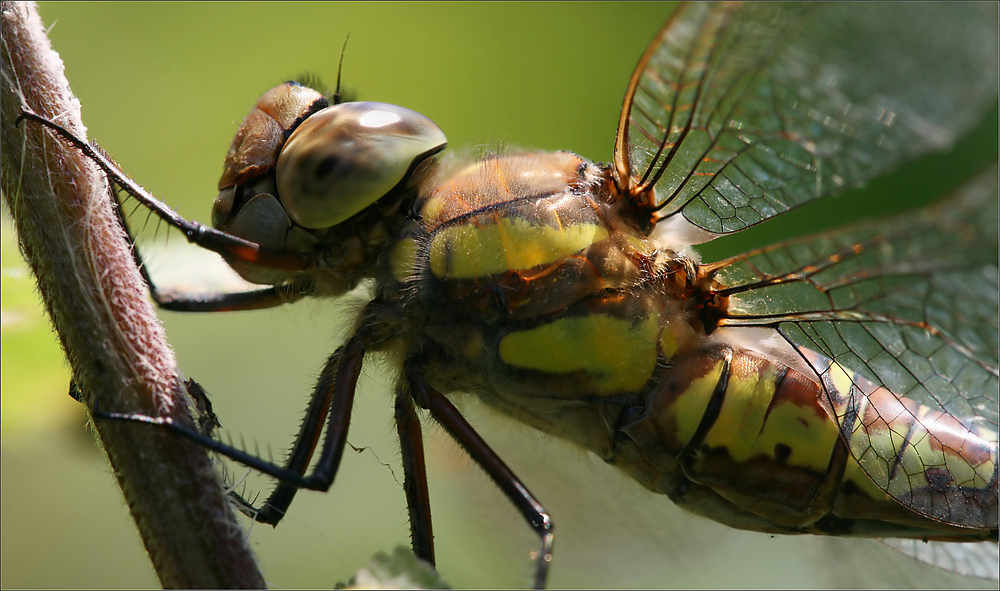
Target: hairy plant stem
column 108, row 329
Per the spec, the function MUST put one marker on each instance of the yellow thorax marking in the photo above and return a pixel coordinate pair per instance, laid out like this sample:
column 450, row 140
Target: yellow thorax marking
column 466, row 251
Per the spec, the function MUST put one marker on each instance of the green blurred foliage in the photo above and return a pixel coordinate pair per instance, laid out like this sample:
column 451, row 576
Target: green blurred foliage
column 33, row 364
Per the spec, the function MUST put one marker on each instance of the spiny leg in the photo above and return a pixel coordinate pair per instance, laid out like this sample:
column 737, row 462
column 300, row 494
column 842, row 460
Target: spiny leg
column 332, row 398
column 256, row 299
column 455, row 424
column 414, row 476
column 204, row 236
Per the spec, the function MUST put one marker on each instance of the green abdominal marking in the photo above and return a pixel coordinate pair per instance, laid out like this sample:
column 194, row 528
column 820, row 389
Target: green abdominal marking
column 755, row 421
column 618, row 354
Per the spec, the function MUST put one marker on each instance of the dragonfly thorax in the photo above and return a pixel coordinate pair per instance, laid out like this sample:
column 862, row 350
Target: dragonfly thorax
column 518, row 281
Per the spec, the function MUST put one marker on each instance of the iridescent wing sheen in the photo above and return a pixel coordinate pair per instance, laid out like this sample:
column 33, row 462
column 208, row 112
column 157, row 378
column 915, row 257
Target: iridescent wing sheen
column 908, row 303
column 737, row 113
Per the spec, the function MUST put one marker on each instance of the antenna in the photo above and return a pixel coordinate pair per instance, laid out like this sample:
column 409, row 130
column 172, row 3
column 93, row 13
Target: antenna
column 340, row 66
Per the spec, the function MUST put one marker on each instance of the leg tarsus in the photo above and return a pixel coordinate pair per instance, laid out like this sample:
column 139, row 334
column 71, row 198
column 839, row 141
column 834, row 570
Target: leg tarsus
column 455, row 424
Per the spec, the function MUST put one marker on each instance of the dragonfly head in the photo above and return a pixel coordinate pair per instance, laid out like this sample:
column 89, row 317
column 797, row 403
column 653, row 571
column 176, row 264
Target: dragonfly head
column 299, row 167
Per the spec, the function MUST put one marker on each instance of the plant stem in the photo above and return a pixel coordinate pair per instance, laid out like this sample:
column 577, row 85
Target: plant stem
column 100, row 308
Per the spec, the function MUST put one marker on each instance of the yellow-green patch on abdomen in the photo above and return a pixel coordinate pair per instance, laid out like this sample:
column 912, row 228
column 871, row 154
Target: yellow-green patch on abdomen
column 751, row 424
column 616, row 354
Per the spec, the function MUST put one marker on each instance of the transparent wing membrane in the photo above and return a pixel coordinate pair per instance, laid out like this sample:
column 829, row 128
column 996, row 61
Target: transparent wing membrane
column 978, row 559
column 908, row 306
column 741, row 112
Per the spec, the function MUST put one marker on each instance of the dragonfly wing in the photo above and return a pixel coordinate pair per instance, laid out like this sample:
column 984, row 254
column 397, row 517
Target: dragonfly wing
column 908, row 307
column 979, row 559
column 737, row 113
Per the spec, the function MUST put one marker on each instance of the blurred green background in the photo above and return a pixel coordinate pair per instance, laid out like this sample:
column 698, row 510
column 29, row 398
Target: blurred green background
column 163, row 87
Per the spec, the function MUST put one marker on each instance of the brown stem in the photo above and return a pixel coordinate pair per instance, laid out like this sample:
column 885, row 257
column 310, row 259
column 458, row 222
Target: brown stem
column 100, row 308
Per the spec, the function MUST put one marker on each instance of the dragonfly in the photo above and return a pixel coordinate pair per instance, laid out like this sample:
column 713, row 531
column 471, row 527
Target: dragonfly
column 735, row 115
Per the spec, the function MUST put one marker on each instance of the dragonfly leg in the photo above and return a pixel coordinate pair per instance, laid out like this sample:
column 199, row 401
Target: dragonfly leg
column 257, row 299
column 455, row 424
column 231, row 301
column 224, row 302
column 204, row 236
column 332, row 399
column 415, row 476
column 208, row 422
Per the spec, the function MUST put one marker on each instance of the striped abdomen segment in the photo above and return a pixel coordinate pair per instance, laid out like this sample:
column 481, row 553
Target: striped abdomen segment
column 928, row 460
column 749, row 442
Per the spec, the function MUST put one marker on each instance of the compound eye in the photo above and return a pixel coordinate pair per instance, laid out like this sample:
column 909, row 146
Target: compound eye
column 344, row 158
